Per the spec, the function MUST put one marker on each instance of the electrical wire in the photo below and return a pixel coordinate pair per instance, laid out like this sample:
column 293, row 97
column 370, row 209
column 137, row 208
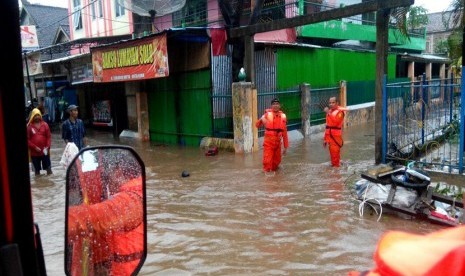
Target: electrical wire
column 66, row 17
column 361, row 206
column 365, row 200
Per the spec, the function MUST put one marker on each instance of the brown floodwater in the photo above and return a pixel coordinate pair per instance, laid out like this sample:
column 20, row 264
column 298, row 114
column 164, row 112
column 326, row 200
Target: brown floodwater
column 229, row 218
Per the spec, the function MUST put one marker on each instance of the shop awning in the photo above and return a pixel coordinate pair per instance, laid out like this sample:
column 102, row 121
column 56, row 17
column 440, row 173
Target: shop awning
column 63, row 59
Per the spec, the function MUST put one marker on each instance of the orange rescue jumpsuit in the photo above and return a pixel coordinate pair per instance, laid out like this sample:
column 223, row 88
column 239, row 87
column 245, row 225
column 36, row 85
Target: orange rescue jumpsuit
column 117, row 230
column 333, row 134
column 275, row 131
column 439, row 253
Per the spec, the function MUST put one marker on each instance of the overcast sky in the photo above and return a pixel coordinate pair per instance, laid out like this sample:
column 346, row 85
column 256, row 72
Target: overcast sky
column 430, row 5
column 433, row 5
column 55, row 3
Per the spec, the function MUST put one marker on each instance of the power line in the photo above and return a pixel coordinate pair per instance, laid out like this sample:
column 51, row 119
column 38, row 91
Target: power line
column 68, row 16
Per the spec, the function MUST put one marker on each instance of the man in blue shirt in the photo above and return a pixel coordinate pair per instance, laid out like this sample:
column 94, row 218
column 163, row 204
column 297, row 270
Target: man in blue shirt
column 73, row 128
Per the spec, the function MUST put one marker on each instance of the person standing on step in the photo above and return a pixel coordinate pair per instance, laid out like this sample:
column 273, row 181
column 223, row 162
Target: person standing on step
column 73, row 129
column 39, row 140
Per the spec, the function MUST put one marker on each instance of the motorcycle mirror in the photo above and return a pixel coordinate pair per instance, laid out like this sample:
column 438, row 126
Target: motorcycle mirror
column 106, row 221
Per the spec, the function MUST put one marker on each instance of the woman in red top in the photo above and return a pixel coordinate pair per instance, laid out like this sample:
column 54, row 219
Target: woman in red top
column 275, row 122
column 39, row 140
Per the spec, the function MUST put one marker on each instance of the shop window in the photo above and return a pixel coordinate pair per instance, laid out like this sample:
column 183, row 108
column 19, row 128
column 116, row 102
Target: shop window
column 194, row 13
column 100, row 8
column 119, row 9
column 272, row 10
column 77, row 17
column 92, row 10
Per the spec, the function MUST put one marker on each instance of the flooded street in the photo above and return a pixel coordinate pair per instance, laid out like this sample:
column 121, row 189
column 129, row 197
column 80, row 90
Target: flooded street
column 229, row 218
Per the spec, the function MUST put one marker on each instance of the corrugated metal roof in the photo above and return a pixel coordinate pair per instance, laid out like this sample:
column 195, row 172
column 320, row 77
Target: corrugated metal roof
column 425, row 58
column 289, row 44
column 58, row 60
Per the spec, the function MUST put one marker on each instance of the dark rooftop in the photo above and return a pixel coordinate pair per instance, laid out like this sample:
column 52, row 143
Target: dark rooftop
column 440, row 22
column 47, row 20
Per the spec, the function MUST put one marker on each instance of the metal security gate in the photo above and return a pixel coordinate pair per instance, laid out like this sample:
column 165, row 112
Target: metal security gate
column 421, row 123
column 221, row 98
column 180, row 108
column 318, row 101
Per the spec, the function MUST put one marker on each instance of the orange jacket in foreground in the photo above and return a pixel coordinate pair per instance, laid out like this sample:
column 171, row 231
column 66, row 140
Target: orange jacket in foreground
column 439, row 253
column 117, row 231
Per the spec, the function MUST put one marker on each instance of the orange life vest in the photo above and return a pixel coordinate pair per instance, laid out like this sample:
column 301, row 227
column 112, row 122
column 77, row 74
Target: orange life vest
column 276, row 125
column 276, row 122
column 334, row 121
column 127, row 245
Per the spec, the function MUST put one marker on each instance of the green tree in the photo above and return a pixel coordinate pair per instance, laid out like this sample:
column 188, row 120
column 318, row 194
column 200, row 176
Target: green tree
column 453, row 19
column 417, row 18
column 441, row 46
column 408, row 19
column 455, row 40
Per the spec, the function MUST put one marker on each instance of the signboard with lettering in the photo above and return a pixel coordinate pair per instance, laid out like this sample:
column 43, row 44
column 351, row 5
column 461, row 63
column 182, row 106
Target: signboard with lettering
column 133, row 60
column 82, row 74
column 29, row 39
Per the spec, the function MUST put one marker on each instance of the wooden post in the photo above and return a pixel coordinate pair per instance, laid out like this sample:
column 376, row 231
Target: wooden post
column 255, row 118
column 428, row 69
column 442, row 71
column 343, row 93
column 411, row 70
column 143, row 115
column 249, row 56
column 305, row 102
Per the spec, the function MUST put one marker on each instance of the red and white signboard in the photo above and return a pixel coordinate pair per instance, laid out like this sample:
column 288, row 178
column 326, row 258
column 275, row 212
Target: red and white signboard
column 29, row 39
column 133, row 60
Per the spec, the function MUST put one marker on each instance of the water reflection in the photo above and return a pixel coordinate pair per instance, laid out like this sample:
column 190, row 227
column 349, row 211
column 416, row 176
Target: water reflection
column 228, row 218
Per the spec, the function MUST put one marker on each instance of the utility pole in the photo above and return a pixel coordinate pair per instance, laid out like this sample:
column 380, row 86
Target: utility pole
column 382, row 29
column 462, row 110
column 28, row 77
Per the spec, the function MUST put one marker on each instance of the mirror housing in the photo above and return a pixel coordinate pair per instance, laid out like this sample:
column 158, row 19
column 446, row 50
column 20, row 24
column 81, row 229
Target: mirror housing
column 106, row 220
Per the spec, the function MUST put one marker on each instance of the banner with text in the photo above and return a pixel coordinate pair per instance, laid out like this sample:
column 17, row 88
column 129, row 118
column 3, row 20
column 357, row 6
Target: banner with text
column 29, row 40
column 133, row 60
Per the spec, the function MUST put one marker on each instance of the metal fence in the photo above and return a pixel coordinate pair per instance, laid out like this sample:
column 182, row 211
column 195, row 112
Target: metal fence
column 319, row 100
column 421, row 122
column 290, row 100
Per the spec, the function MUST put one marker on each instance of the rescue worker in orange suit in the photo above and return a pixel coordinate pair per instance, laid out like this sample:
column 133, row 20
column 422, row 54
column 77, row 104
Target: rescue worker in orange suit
column 113, row 227
column 333, row 133
column 438, row 253
column 275, row 123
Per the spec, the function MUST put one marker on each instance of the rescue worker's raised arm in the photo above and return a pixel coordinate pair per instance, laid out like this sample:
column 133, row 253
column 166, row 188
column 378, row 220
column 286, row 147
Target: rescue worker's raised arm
column 285, row 137
column 123, row 212
column 261, row 121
